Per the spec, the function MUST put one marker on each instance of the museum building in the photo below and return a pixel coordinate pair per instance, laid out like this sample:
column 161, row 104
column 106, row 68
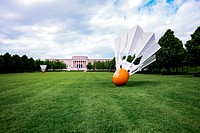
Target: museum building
column 78, row 62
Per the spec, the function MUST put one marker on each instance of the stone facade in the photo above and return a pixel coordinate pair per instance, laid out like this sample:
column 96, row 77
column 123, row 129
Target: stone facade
column 78, row 62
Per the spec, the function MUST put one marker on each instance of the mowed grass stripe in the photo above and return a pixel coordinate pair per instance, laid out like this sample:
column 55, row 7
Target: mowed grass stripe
column 101, row 112
column 29, row 85
column 90, row 102
column 38, row 103
column 169, row 98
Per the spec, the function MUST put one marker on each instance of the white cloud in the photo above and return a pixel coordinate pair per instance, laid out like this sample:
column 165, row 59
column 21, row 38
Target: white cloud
column 61, row 29
column 134, row 4
column 29, row 3
column 186, row 20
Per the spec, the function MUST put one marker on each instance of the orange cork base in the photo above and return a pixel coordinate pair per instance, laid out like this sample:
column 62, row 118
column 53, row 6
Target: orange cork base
column 120, row 77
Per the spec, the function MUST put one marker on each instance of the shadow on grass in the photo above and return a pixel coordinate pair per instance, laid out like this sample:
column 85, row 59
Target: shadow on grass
column 110, row 84
column 142, row 83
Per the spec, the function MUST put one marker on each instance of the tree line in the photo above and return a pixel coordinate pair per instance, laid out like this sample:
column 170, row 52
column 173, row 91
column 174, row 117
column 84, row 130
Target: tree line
column 171, row 57
column 14, row 63
column 102, row 66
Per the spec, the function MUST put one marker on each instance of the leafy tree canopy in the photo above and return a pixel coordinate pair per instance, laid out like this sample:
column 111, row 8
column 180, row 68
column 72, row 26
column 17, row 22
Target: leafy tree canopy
column 193, row 48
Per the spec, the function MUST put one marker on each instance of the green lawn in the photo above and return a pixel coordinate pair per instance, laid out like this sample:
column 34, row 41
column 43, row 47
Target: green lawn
column 90, row 102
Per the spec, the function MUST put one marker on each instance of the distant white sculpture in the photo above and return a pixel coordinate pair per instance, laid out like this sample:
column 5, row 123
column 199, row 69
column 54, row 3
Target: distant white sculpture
column 137, row 43
column 43, row 68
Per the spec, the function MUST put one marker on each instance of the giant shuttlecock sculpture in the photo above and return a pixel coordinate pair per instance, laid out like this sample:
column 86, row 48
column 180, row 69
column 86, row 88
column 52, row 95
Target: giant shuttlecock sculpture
column 43, row 68
column 138, row 44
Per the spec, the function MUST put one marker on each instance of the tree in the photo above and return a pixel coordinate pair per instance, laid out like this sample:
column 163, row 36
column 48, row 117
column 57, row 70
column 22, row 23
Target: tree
column 60, row 65
column 31, row 64
column 193, row 48
column 96, row 65
column 25, row 63
column 106, row 64
column 112, row 65
column 89, row 66
column 172, row 53
column 37, row 64
column 48, row 63
column 17, row 63
column 8, row 63
column 1, row 63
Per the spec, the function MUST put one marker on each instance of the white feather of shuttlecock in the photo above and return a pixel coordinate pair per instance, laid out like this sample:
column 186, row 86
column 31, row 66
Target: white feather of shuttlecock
column 43, row 67
column 138, row 43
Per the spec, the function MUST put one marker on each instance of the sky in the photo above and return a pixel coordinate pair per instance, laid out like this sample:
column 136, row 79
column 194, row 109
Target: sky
column 61, row 29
